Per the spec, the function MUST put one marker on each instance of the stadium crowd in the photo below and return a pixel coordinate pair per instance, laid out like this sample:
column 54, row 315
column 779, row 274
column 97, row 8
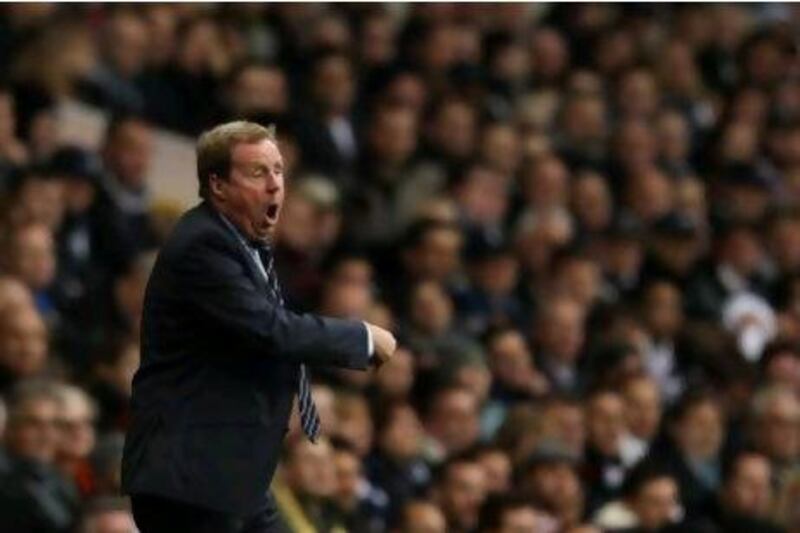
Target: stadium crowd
column 582, row 221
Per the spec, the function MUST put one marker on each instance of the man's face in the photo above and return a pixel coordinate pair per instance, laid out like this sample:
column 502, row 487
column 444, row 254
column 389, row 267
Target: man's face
column 252, row 195
column 34, row 433
column 128, row 154
column 749, row 491
column 421, row 517
column 656, row 504
column 463, row 494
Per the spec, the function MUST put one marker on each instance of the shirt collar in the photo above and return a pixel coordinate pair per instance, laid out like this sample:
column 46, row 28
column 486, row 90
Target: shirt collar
column 250, row 244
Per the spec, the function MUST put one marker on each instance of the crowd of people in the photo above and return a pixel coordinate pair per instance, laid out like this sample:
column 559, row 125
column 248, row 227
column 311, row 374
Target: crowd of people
column 582, row 222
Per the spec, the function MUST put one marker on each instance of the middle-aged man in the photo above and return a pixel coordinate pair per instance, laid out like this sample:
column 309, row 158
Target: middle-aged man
column 222, row 358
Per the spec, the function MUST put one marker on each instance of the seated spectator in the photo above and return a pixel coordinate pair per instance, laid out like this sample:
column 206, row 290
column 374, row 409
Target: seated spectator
column 507, row 514
column 363, row 506
column 77, row 420
column 451, row 423
column 604, row 470
column 550, row 476
column 23, row 347
column 397, row 465
column 34, row 496
column 650, row 502
column 459, row 487
column 643, row 416
column 774, row 419
column 422, row 516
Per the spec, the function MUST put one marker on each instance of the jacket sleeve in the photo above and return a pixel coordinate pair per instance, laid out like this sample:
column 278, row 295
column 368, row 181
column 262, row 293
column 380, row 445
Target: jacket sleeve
column 219, row 292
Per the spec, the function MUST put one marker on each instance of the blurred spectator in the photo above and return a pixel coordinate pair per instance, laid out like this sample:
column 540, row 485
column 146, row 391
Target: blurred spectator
column 108, row 515
column 33, row 494
column 421, row 516
column 459, row 487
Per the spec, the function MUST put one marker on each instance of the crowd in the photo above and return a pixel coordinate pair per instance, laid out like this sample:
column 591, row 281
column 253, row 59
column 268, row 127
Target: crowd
column 582, row 221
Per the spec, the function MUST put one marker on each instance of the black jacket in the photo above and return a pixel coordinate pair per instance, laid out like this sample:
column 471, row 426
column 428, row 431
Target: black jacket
column 219, row 371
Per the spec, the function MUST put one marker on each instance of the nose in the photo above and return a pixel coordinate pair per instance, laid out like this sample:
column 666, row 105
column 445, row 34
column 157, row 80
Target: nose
column 274, row 182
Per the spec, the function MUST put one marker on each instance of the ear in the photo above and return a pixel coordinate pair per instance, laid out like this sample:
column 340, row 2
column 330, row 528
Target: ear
column 215, row 186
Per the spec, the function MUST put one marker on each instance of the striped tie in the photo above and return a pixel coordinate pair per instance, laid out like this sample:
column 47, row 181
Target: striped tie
column 309, row 418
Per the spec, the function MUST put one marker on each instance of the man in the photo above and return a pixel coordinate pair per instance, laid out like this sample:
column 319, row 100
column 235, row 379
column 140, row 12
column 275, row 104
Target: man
column 222, row 359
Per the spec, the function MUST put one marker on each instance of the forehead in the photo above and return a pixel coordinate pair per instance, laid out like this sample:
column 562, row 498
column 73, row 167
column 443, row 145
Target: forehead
column 264, row 151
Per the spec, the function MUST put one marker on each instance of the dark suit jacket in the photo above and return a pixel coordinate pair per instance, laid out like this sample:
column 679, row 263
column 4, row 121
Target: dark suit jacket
column 219, row 371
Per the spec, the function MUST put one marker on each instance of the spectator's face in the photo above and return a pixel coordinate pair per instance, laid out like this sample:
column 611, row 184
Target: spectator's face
column 127, row 44
column 110, row 522
column 663, row 310
column 591, row 202
column 784, row 243
column 778, row 430
column 462, row 494
column 431, row 308
column 32, row 257
column 561, row 331
column 579, row 278
column 635, row 147
column 377, row 40
column 497, row 471
column 259, row 89
column 673, row 136
column 511, row 362
column 656, row 504
column 742, row 251
column 128, row 154
column 252, row 195
column 700, row 432
column 34, row 434
column 454, row 421
column 334, row 85
column 549, row 54
column 23, row 342
column 606, row 423
column 438, row 256
column 395, row 380
column 584, row 119
column 348, row 478
column 623, row 257
column 746, row 202
column 690, row 200
column 566, row 423
column 393, row 135
column 77, row 429
column 650, row 195
column 501, row 148
column 784, row 369
column 638, row 94
column 749, row 491
column 40, row 201
column 311, row 470
column 483, row 197
column 13, row 295
column 354, row 424
column 557, row 486
column 453, row 130
column 421, row 517
column 526, row 520
column 401, row 438
column 546, row 183
column 642, row 408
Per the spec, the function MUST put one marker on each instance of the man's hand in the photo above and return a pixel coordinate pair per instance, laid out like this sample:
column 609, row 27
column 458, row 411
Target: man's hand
column 384, row 343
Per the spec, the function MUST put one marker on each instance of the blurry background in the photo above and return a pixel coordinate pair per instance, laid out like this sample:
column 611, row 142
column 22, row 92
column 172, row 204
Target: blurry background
column 582, row 221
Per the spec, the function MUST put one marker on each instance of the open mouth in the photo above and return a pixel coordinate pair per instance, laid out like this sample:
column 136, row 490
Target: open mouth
column 272, row 213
